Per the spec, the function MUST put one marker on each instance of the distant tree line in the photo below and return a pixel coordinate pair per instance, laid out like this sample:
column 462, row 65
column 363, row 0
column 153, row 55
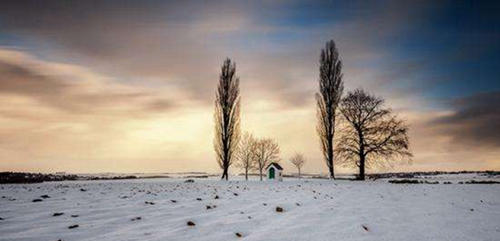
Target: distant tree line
column 26, row 177
column 354, row 130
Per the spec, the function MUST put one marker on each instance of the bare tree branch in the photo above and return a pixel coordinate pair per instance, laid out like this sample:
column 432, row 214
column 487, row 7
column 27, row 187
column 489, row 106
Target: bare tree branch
column 247, row 153
column 267, row 151
column 298, row 160
column 372, row 135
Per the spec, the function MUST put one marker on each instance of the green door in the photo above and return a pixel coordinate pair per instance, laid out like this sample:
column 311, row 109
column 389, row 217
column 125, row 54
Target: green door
column 271, row 173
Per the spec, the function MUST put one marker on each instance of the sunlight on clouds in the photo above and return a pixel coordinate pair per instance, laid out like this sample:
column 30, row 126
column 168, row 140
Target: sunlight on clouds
column 63, row 117
column 130, row 87
column 102, row 124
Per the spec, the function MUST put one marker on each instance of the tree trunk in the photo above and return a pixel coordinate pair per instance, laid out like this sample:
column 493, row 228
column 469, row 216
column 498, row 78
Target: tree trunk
column 361, row 168
column 330, row 157
column 246, row 174
column 299, row 173
column 361, row 154
column 332, row 174
column 261, row 175
column 224, row 174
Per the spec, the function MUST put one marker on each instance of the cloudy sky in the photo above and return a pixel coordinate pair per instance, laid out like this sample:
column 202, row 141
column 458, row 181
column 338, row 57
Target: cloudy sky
column 129, row 86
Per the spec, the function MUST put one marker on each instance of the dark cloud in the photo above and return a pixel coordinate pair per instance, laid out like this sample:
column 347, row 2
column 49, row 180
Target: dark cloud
column 20, row 79
column 68, row 92
column 275, row 44
column 475, row 121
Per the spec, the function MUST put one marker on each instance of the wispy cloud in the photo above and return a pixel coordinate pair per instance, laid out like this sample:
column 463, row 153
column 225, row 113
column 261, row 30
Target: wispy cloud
column 74, row 89
column 473, row 122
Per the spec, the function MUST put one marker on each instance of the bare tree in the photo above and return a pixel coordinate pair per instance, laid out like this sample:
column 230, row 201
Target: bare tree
column 331, row 88
column 227, row 116
column 247, row 153
column 266, row 152
column 298, row 160
column 372, row 134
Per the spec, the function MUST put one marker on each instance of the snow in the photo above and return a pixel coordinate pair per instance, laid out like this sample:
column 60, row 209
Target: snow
column 313, row 210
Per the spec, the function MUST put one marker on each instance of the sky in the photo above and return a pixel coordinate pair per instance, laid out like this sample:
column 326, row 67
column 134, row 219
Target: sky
column 129, row 86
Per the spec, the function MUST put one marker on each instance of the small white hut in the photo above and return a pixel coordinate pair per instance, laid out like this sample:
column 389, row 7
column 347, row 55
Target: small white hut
column 274, row 172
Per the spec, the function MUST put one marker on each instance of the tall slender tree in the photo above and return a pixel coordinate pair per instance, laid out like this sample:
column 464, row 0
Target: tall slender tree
column 330, row 92
column 373, row 135
column 227, row 117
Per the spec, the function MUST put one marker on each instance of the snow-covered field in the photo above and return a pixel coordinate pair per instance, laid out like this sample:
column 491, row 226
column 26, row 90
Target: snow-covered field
column 159, row 209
